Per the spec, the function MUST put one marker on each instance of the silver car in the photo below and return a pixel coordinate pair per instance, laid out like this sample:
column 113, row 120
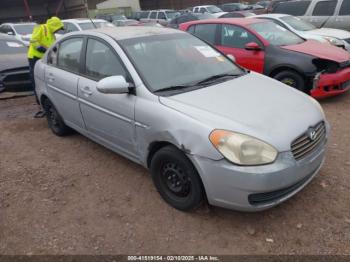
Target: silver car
column 206, row 128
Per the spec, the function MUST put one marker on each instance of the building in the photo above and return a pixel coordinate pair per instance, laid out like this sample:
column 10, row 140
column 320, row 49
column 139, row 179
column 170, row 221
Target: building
column 39, row 10
column 117, row 6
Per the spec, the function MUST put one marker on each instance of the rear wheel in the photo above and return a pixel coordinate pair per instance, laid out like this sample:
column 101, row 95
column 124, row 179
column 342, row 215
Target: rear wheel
column 292, row 79
column 176, row 179
column 54, row 120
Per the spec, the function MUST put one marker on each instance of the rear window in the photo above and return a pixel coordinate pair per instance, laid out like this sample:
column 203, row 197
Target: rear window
column 12, row 47
column 325, row 8
column 292, row 8
column 345, row 8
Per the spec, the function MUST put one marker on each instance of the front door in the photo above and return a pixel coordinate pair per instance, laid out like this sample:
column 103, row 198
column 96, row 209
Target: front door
column 232, row 41
column 108, row 117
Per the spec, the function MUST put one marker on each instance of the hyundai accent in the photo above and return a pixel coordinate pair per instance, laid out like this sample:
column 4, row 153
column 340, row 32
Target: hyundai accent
column 206, row 128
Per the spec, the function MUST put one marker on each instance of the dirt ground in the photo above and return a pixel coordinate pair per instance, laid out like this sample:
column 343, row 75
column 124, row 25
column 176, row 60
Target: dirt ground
column 72, row 196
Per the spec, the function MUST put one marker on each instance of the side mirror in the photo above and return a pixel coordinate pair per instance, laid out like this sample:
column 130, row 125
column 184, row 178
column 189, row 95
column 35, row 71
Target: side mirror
column 10, row 33
column 113, row 85
column 252, row 46
column 232, row 58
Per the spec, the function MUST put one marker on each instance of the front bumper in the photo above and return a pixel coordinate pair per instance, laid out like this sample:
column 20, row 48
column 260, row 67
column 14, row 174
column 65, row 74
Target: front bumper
column 332, row 84
column 15, row 80
column 257, row 188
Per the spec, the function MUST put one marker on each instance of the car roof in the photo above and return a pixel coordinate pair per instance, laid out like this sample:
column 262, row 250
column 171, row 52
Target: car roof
column 122, row 33
column 20, row 23
column 7, row 37
column 272, row 15
column 203, row 6
column 237, row 21
column 83, row 20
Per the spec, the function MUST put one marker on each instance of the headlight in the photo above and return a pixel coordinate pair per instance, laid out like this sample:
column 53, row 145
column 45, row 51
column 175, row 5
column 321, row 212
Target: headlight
column 334, row 41
column 242, row 149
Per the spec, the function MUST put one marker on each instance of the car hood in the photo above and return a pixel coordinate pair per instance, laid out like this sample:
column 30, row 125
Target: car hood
column 320, row 50
column 254, row 105
column 337, row 33
column 8, row 62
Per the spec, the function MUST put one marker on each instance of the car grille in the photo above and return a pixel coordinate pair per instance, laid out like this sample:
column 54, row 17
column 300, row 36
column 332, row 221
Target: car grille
column 305, row 145
column 345, row 85
column 268, row 197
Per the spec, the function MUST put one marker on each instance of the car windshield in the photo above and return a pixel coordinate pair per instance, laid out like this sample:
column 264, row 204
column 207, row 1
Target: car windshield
column 172, row 14
column 297, row 23
column 24, row 29
column 118, row 17
column 12, row 47
column 103, row 24
column 276, row 34
column 182, row 59
column 213, row 9
column 87, row 25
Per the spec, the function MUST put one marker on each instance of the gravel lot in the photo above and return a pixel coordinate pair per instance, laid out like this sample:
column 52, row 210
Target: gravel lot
column 72, row 196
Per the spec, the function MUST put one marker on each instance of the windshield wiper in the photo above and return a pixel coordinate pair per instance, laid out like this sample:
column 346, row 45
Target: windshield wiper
column 215, row 77
column 173, row 88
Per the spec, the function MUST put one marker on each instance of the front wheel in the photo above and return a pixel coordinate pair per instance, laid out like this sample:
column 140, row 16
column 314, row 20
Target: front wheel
column 292, row 79
column 176, row 179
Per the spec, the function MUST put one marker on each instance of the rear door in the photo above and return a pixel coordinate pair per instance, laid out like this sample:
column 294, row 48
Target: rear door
column 322, row 12
column 61, row 77
column 232, row 41
column 108, row 117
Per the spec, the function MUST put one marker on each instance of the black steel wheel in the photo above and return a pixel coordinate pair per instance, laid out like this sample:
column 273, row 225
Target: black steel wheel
column 176, row 179
column 54, row 120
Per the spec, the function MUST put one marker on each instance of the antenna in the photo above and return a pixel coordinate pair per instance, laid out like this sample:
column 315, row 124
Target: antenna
column 92, row 22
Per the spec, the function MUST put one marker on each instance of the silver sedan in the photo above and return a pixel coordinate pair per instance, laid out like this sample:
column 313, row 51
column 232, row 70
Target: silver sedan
column 207, row 129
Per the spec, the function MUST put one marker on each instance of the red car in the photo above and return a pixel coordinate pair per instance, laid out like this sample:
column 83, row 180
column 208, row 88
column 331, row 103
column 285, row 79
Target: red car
column 318, row 69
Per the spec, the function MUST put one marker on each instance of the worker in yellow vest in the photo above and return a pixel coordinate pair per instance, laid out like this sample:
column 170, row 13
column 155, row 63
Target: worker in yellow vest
column 43, row 37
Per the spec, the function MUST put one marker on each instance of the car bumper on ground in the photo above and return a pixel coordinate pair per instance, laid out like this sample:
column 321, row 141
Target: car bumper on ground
column 257, row 188
column 332, row 84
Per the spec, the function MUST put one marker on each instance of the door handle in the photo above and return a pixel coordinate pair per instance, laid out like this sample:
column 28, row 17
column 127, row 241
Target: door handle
column 86, row 91
column 51, row 77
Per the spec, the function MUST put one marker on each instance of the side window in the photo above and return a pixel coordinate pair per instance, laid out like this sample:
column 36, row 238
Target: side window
column 236, row 37
column 144, row 15
column 69, row 54
column 153, row 15
column 203, row 10
column 206, row 32
column 345, row 8
column 71, row 28
column 101, row 61
column 324, row 8
column 296, row 8
column 191, row 29
column 161, row 15
column 195, row 10
column 2, row 29
column 52, row 56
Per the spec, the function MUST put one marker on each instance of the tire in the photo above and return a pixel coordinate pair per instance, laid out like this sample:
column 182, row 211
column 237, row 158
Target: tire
column 54, row 120
column 176, row 179
column 292, row 79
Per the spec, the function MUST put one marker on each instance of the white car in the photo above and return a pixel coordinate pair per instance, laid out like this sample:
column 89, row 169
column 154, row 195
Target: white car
column 21, row 31
column 81, row 24
column 211, row 9
column 337, row 37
